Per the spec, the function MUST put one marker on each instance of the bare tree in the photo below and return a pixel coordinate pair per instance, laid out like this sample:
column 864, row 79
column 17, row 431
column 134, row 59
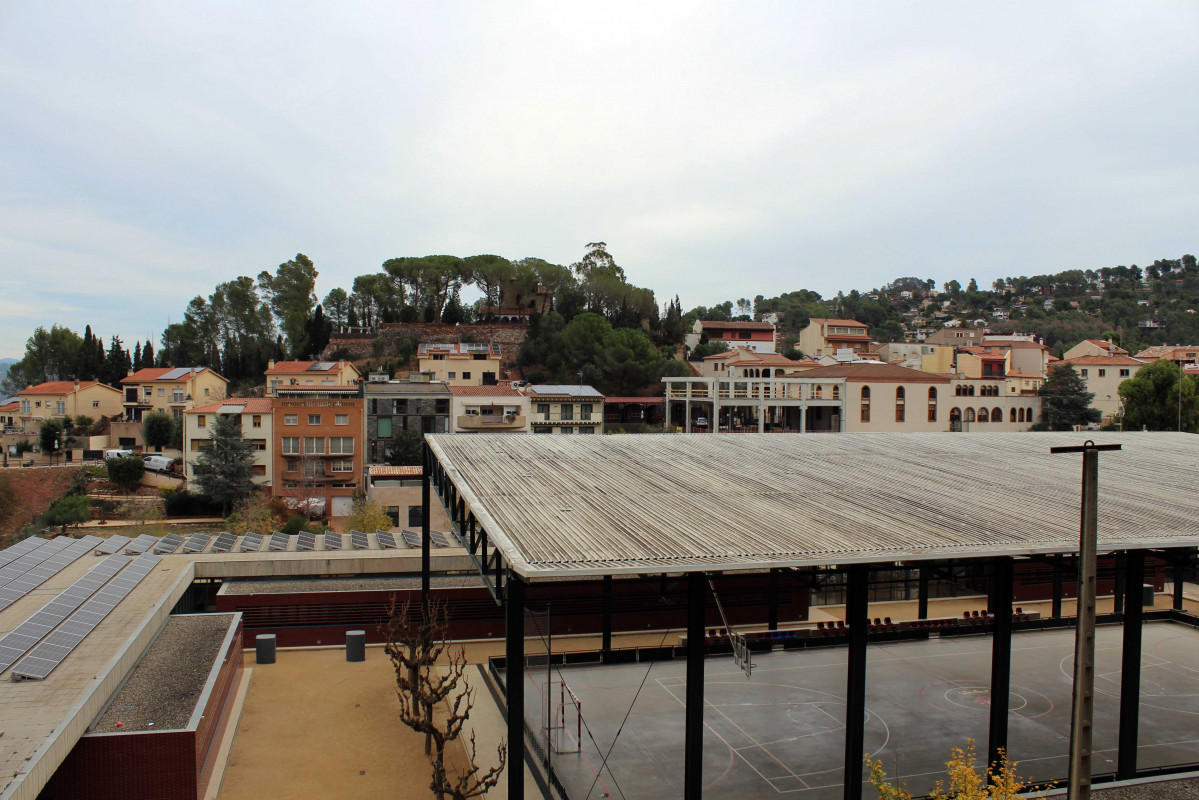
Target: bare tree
column 423, row 686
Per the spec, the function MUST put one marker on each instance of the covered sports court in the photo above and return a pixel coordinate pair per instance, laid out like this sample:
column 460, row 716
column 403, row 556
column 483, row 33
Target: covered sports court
column 693, row 508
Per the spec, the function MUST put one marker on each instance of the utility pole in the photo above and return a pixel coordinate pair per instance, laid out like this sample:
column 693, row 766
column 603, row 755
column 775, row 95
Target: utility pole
column 1083, row 709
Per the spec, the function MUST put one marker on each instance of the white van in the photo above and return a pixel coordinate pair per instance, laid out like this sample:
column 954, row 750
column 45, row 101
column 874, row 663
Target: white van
column 117, row 453
column 158, row 463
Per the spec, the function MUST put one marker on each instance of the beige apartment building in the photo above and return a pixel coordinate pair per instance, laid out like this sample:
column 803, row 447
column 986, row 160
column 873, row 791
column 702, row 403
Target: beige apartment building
column 1103, row 376
column 1094, row 347
column 310, row 373
column 62, row 399
column 256, row 426
column 557, row 408
column 460, row 363
column 741, row 362
column 827, row 336
column 169, row 390
column 488, row 409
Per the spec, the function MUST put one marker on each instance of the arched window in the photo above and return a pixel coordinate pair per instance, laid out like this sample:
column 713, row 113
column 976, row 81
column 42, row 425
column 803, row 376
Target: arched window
column 957, row 390
column 984, row 415
column 1028, row 415
column 819, row 391
column 1011, row 417
column 932, row 404
column 969, row 415
column 836, row 392
column 970, row 390
column 1021, row 414
column 996, row 415
column 865, row 404
column 900, row 399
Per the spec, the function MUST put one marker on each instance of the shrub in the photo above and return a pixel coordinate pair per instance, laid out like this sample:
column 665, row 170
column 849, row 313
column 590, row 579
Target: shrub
column 967, row 780
column 295, row 523
column 70, row 510
column 125, row 472
column 24, row 446
column 256, row 514
column 182, row 503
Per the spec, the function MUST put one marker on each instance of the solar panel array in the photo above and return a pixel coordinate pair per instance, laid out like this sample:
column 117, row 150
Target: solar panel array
column 141, row 544
column 306, row 541
column 251, row 542
column 17, row 568
column 11, row 554
column 279, row 541
column 39, row 573
column 21, row 640
column 58, row 645
column 169, row 543
column 386, row 539
column 113, row 544
column 175, row 374
column 196, row 543
column 359, row 540
column 333, row 541
column 224, row 543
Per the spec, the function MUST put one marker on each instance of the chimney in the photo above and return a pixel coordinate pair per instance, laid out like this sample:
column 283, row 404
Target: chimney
column 270, row 364
column 76, row 384
column 129, row 372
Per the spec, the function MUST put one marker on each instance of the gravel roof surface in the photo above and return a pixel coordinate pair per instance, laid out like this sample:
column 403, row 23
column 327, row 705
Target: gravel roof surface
column 162, row 692
column 1187, row 789
column 368, row 583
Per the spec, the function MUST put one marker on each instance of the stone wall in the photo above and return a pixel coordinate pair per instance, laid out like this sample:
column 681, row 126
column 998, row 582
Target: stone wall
column 508, row 336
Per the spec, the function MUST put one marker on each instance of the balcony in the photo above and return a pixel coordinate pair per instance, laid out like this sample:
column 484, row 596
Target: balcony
column 490, row 422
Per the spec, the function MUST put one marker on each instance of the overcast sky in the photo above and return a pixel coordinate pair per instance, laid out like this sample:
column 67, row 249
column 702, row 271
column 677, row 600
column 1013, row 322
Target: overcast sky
column 150, row 150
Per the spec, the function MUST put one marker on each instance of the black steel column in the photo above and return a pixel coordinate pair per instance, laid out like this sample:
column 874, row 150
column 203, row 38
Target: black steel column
column 922, row 600
column 1179, row 575
column 1118, row 591
column 426, row 565
column 1057, row 587
column 606, row 645
column 514, row 679
column 693, row 747
column 1130, row 667
column 1001, row 656
column 857, row 610
column 772, row 621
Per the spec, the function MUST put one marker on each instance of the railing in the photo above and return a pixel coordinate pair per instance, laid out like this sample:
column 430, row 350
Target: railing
column 794, row 389
column 491, row 421
column 589, row 419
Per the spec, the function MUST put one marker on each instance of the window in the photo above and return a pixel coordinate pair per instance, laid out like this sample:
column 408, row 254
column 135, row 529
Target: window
column 24, row 406
column 1102, row 373
column 543, row 430
column 900, row 399
column 384, row 427
column 969, row 415
column 836, row 392
column 415, row 518
column 257, row 444
column 439, row 356
column 343, row 465
column 60, row 407
column 865, row 404
column 996, row 415
column 566, row 430
column 1084, row 373
column 1021, row 415
column 1011, row 417
column 95, row 404
column 293, row 466
column 544, row 410
column 201, row 420
column 341, row 445
column 177, row 396
column 1124, row 373
column 148, row 391
column 932, row 404
column 984, row 415
column 453, row 376
column 585, row 412
column 341, row 419
column 586, row 429
column 314, row 445
column 291, row 419
column 314, row 419
column 466, row 376
column 568, row 411
column 206, row 393
column 744, row 334
column 291, row 445
column 256, row 421
column 1028, row 415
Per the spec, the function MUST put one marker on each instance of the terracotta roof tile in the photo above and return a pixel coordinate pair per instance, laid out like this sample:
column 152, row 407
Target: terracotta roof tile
column 61, row 387
column 250, row 405
column 384, row 470
column 738, row 326
column 874, row 371
column 484, row 391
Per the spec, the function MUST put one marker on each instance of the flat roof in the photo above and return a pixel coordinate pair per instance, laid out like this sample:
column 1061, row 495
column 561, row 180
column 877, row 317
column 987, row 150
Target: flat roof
column 568, row 506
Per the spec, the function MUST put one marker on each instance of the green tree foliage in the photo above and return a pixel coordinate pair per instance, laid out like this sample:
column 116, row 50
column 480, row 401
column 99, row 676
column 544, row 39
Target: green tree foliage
column 317, row 331
column 289, row 292
column 52, row 437
column 1066, row 401
column 125, row 472
column 74, row 509
column 50, row 355
column 404, row 449
column 117, row 363
column 223, row 470
column 366, row 515
column 337, row 307
column 158, row 430
column 1151, row 399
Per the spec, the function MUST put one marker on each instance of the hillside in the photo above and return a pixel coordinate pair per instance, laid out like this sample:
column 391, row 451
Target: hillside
column 36, row 489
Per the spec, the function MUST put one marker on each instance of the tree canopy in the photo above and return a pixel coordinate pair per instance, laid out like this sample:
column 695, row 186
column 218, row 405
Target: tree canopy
column 224, row 470
column 1066, row 401
column 1152, row 399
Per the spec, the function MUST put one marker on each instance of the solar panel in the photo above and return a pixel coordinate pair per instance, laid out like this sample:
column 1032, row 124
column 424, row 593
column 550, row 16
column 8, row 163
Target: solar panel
column 359, row 540
column 251, row 542
column 333, row 541
column 169, row 543
column 442, row 539
column 196, row 543
column 306, row 541
column 112, row 545
column 175, row 374
column 15, row 569
column 11, row 554
column 58, row 645
column 386, row 540
column 224, row 543
column 321, row 366
column 141, row 544
column 21, row 639
column 411, row 538
column 279, row 541
column 34, row 577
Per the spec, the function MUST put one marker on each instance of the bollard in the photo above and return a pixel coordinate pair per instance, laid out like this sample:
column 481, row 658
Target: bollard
column 1147, row 595
column 355, row 646
column 264, row 648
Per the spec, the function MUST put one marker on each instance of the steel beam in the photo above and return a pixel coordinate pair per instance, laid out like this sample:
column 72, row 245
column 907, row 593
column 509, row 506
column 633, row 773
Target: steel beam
column 1130, row 666
column 772, row 621
column 514, row 680
column 1001, row 657
column 922, row 601
column 1057, row 587
column 857, row 611
column 426, row 558
column 693, row 747
column 606, row 645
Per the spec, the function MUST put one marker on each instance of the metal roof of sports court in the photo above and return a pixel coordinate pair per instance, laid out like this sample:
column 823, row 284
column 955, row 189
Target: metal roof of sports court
column 577, row 505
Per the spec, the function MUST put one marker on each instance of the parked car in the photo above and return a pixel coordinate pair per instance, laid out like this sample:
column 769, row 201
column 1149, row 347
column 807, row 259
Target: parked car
column 158, row 463
column 117, row 453
column 700, row 422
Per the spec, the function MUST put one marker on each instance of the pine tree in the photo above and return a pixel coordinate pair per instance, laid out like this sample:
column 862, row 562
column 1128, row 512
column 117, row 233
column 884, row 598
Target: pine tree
column 117, row 363
column 147, row 356
column 137, row 356
column 1066, row 400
